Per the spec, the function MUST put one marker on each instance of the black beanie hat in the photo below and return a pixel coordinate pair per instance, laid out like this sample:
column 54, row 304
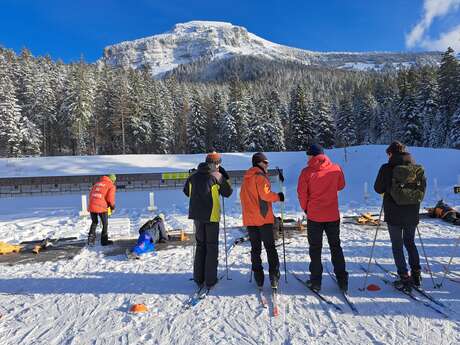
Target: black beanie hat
column 314, row 150
column 257, row 158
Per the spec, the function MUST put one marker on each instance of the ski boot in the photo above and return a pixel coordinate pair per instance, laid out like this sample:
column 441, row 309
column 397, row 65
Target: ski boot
column 404, row 283
column 259, row 278
column 315, row 285
column 91, row 239
column 274, row 280
column 342, row 281
column 132, row 255
column 105, row 241
column 416, row 276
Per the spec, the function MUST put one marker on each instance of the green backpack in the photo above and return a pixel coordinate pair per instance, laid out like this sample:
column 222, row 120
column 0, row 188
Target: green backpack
column 408, row 184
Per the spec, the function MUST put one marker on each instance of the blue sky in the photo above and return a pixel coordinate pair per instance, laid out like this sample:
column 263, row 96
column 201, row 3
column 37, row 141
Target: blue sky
column 69, row 29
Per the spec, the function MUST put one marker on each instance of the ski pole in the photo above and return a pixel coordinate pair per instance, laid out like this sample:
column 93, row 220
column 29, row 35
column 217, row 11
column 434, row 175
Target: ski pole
column 225, row 238
column 281, row 180
column 372, row 250
column 194, row 245
column 426, row 257
column 446, row 268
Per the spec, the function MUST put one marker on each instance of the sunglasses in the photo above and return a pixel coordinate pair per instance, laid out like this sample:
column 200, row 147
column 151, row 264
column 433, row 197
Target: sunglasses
column 265, row 162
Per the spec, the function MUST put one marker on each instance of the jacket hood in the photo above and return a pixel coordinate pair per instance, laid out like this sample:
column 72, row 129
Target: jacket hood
column 253, row 171
column 105, row 179
column 206, row 168
column 401, row 159
column 319, row 162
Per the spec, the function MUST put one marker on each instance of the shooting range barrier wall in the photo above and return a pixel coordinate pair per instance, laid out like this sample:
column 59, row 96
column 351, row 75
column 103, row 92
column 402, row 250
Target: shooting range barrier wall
column 52, row 185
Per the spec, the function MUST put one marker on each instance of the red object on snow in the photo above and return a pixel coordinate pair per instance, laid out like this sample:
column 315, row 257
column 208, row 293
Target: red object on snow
column 138, row 308
column 373, row 287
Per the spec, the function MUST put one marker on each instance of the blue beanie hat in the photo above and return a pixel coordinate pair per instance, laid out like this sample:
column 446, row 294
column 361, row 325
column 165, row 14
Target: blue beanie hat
column 314, row 150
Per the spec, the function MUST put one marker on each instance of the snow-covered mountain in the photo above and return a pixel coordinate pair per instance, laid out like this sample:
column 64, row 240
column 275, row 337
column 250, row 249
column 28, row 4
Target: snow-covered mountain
column 212, row 41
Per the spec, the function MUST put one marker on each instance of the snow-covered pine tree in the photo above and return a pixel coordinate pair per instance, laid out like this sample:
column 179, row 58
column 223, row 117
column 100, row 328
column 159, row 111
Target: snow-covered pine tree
column 345, row 123
column 25, row 82
column 449, row 92
column 411, row 124
column 364, row 105
column 138, row 126
column 31, row 138
column 229, row 133
column 427, row 99
column 196, row 126
column 218, row 109
column 301, row 131
column 257, row 135
column 274, row 126
column 79, row 106
column 116, row 123
column 238, row 109
column 454, row 136
column 160, row 139
column 168, row 120
column 325, row 123
column 44, row 109
column 180, row 96
column 11, row 134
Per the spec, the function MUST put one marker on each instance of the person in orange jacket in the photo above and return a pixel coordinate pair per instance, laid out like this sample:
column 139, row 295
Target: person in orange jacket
column 101, row 197
column 317, row 189
column 256, row 202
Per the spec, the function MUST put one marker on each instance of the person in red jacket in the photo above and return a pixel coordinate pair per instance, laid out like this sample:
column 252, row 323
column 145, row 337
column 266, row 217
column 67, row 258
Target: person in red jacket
column 101, row 197
column 256, row 203
column 317, row 190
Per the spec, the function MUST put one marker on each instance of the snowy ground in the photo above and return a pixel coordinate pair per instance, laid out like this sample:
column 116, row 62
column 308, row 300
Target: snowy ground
column 85, row 300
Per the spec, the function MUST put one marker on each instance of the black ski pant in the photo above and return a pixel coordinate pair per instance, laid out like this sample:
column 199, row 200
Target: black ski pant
column 94, row 221
column 404, row 235
column 206, row 254
column 315, row 240
column 257, row 235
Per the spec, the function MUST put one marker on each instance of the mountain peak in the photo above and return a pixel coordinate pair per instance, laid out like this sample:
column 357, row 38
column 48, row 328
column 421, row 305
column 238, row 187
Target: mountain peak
column 197, row 40
column 203, row 24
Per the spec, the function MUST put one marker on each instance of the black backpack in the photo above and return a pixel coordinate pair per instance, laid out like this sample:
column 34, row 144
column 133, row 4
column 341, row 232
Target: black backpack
column 408, row 184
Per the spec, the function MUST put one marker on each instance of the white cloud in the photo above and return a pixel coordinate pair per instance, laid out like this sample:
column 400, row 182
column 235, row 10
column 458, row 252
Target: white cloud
column 433, row 9
column 446, row 39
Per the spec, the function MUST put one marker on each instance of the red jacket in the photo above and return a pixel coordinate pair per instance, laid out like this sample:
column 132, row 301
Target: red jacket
column 102, row 195
column 317, row 189
column 256, row 198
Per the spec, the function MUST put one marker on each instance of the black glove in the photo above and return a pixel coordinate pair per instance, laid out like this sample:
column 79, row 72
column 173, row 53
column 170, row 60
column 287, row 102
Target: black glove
column 224, row 172
column 281, row 196
column 280, row 175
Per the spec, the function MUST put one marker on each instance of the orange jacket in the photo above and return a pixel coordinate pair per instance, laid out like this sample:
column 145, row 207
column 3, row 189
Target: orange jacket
column 102, row 195
column 256, row 198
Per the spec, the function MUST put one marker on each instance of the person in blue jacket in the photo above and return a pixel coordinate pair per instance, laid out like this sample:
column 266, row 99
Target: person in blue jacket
column 152, row 232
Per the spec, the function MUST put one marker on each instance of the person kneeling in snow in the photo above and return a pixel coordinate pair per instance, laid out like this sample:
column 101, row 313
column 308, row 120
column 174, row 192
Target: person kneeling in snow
column 445, row 212
column 152, row 232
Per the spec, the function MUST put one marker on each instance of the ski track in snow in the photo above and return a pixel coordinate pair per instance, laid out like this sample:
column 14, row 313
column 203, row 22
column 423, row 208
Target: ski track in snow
column 85, row 300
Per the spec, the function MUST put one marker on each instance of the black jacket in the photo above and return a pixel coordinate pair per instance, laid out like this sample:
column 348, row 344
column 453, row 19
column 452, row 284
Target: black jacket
column 395, row 214
column 203, row 188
